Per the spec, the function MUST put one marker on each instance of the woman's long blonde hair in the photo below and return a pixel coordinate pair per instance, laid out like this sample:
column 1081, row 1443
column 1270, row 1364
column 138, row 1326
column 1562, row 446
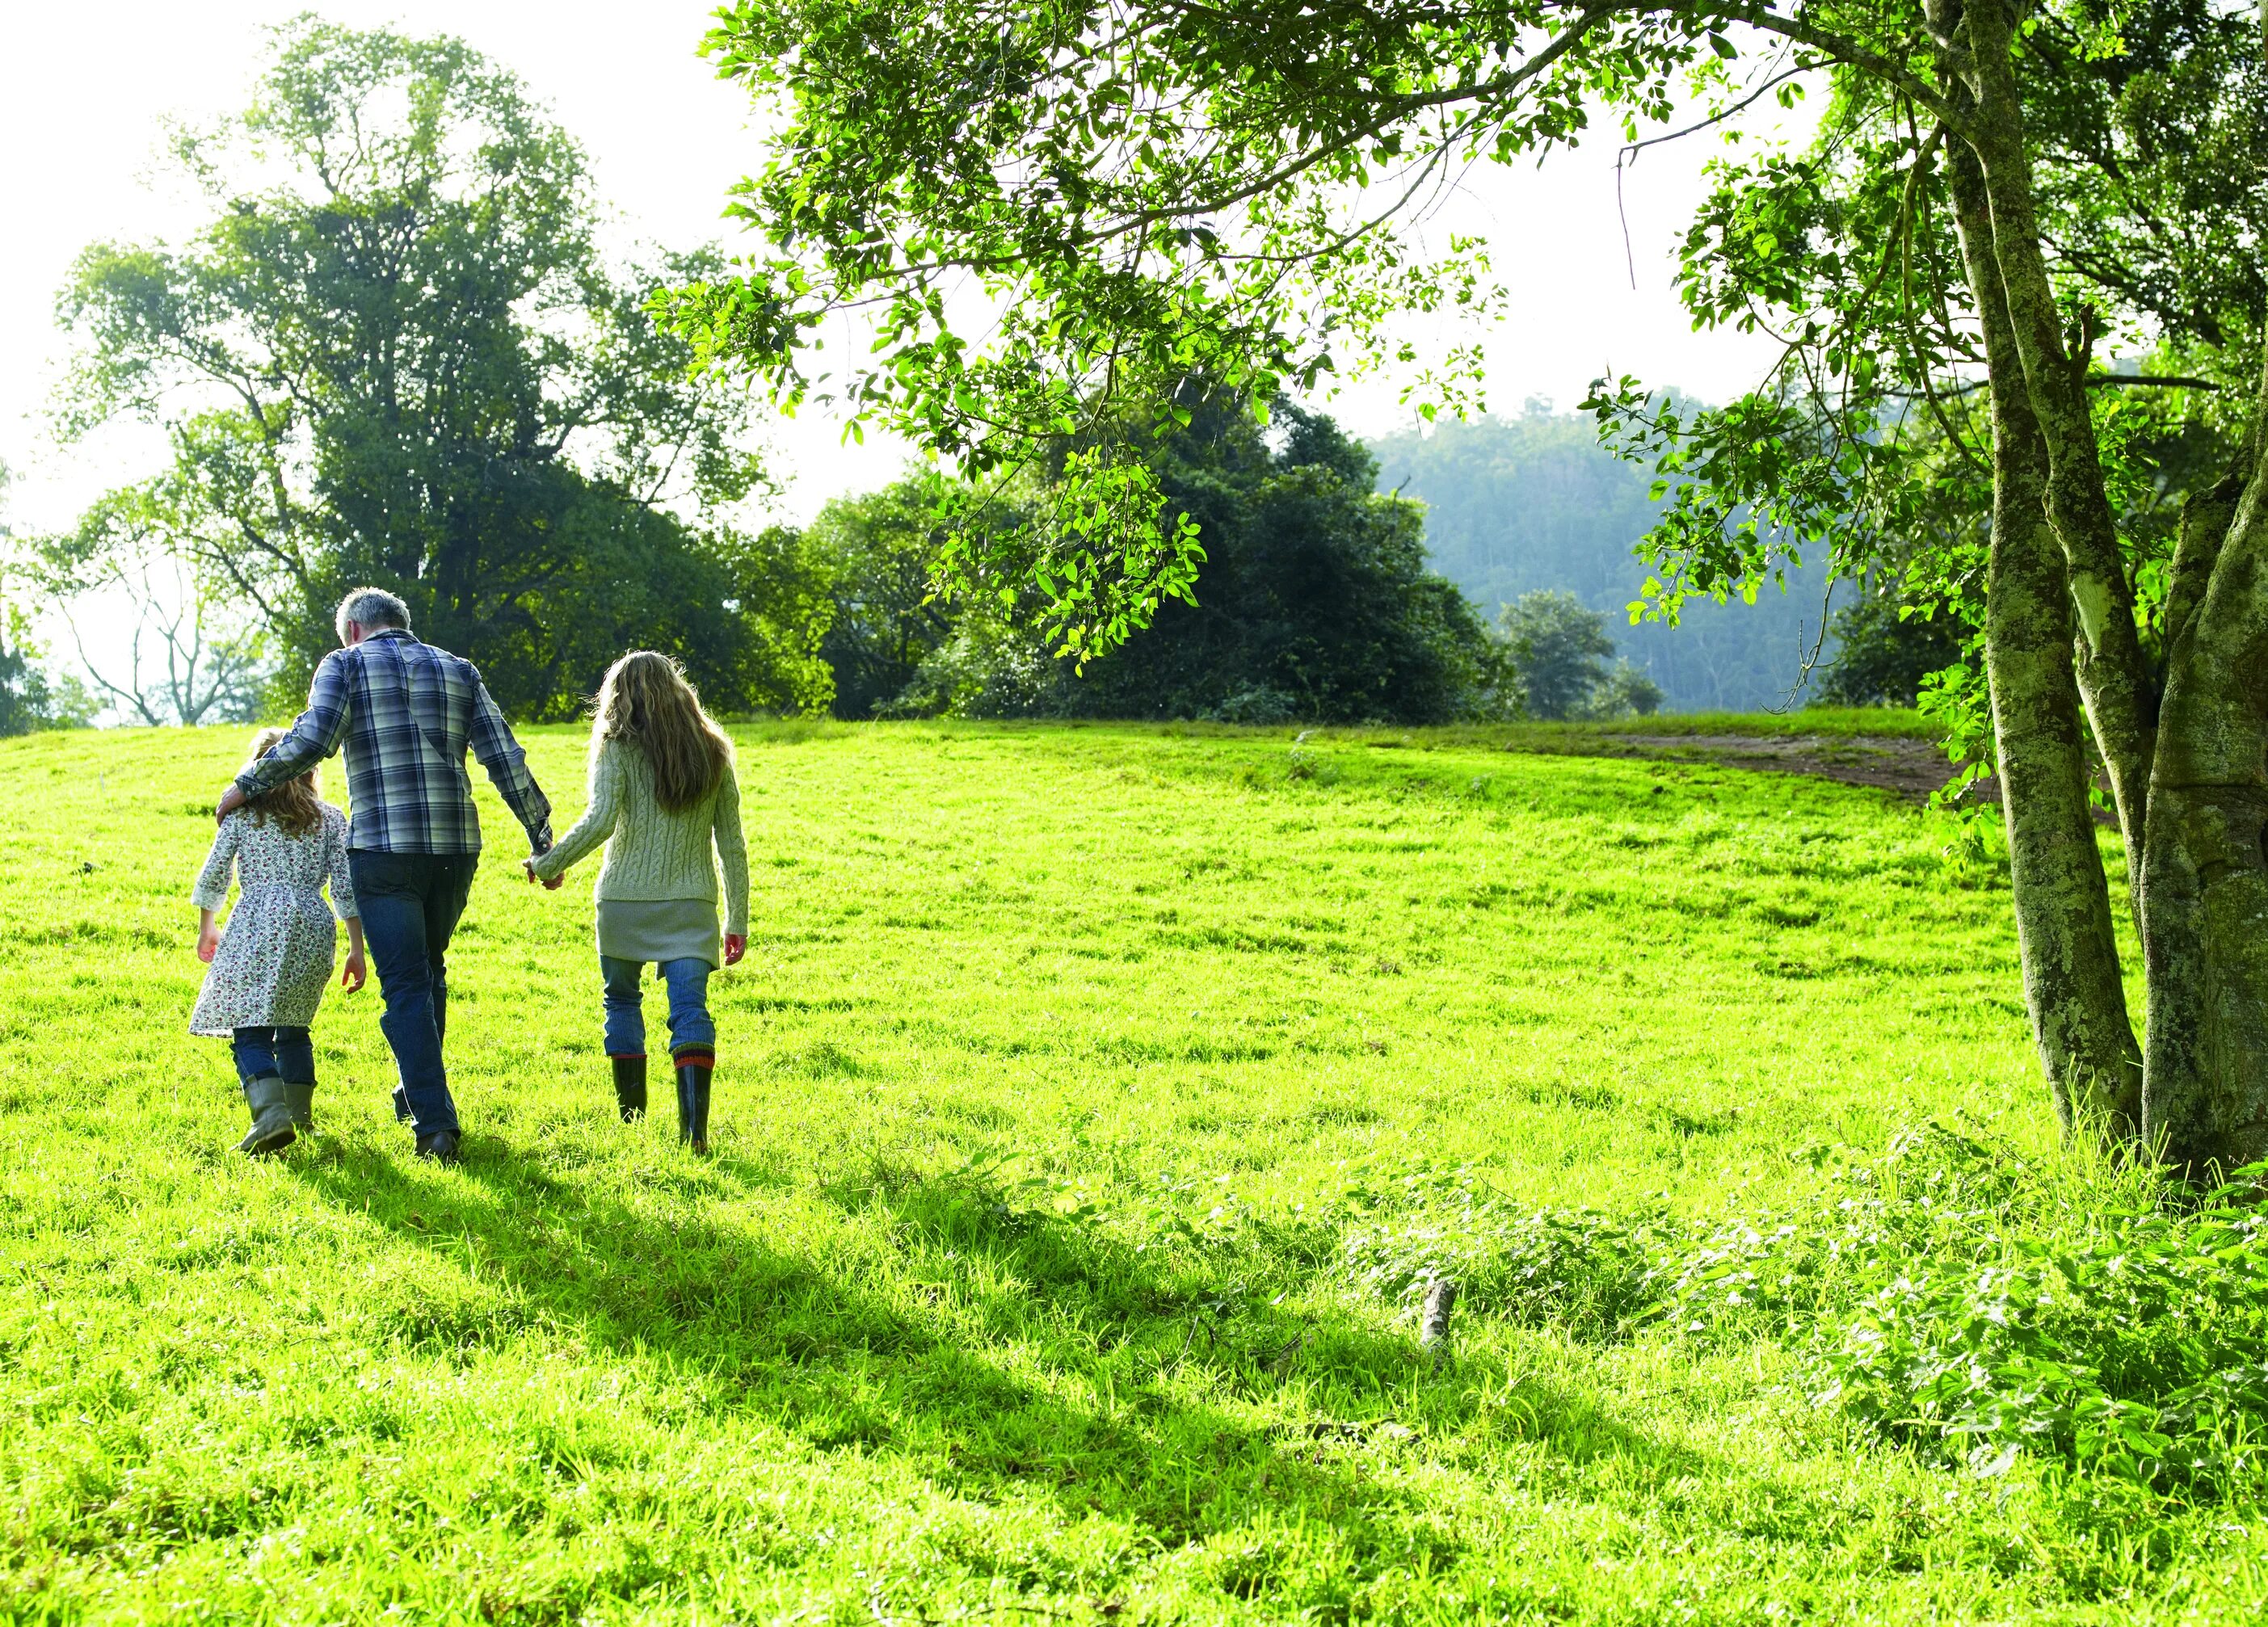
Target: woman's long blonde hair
column 296, row 806
column 646, row 702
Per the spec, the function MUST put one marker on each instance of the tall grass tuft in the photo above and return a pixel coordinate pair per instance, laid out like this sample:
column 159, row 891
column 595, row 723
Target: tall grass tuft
column 1950, row 1294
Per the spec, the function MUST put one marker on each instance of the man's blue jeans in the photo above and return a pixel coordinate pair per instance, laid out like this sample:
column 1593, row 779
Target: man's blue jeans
column 410, row 903
column 286, row 1054
column 689, row 1026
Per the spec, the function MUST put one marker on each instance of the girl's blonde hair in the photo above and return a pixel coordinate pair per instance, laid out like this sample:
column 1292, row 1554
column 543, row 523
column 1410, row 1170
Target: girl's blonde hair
column 646, row 702
column 296, row 806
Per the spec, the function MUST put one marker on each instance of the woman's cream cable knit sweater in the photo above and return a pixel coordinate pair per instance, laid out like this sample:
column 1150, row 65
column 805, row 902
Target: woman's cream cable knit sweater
column 651, row 853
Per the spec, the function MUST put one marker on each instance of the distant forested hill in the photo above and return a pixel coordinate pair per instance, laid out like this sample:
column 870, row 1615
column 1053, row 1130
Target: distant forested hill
column 1518, row 503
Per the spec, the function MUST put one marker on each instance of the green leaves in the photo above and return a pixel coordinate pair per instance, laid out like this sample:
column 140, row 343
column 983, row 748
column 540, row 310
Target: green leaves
column 2138, row 1347
column 1053, row 213
column 395, row 353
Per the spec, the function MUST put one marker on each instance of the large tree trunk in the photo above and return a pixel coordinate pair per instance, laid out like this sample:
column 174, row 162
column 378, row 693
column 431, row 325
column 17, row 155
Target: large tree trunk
column 2113, row 676
column 2204, row 873
column 2064, row 935
column 2190, row 770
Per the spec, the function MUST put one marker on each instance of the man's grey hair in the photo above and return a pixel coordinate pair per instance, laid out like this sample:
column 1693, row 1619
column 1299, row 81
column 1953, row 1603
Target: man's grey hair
column 372, row 608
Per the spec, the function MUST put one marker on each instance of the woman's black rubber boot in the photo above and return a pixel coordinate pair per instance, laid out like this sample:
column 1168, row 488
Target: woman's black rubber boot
column 693, row 1071
column 629, row 1086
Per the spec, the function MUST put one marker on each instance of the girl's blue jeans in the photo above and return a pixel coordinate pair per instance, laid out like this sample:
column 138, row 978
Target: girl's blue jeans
column 690, row 1025
column 273, row 1053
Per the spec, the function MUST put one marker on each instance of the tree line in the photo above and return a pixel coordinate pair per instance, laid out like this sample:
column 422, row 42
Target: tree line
column 398, row 355
column 1316, row 604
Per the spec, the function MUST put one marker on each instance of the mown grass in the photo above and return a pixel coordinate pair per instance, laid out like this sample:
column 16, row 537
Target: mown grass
column 1077, row 1085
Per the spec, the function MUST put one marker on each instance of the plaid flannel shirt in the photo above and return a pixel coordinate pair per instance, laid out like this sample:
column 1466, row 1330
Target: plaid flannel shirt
column 406, row 713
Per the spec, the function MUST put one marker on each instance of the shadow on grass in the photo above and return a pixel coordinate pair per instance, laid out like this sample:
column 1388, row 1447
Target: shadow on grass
column 1003, row 1353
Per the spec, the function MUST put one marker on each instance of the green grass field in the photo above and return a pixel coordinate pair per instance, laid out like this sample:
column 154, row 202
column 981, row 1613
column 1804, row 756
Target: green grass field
column 1088, row 1103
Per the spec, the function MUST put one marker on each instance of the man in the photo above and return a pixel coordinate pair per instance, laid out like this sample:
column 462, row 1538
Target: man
column 406, row 713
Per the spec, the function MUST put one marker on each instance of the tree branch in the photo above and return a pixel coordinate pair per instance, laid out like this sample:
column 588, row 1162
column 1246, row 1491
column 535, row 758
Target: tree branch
column 1851, row 54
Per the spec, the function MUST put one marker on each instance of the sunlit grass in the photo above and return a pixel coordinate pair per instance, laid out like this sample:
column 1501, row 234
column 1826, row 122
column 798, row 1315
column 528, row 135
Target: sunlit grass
column 1063, row 1067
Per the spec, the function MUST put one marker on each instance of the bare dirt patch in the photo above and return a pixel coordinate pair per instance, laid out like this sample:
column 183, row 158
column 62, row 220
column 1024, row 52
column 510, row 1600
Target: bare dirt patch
column 1915, row 770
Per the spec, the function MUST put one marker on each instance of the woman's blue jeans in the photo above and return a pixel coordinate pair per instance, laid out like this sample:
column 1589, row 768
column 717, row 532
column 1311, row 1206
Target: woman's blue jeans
column 689, row 1026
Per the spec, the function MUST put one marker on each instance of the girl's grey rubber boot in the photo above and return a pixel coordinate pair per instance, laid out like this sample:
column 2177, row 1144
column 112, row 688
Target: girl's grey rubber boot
column 301, row 1100
column 271, row 1116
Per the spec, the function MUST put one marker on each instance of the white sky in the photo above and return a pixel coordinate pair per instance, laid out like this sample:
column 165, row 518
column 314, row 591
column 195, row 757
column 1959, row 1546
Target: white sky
column 84, row 94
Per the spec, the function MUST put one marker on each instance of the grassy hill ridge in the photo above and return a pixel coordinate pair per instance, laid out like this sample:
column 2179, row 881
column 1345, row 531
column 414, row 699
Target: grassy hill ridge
column 1088, row 1103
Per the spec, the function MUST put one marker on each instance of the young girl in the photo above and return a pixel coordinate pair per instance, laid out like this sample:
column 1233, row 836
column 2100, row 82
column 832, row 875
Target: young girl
column 664, row 800
column 268, row 969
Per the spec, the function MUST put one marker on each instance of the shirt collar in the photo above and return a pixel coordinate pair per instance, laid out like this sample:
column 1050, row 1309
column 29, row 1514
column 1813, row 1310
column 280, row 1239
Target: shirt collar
column 388, row 632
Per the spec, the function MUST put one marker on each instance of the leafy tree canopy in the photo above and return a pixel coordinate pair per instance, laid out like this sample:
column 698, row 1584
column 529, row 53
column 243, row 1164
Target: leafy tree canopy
column 1315, row 605
column 397, row 354
column 1871, row 440
column 1053, row 208
column 881, row 553
column 1049, row 209
column 1887, row 649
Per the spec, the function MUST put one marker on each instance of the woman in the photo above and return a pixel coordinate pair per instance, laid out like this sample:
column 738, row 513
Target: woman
column 664, row 800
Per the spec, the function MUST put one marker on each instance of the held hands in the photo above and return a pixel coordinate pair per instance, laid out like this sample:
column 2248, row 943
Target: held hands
column 553, row 885
column 736, row 944
column 357, row 972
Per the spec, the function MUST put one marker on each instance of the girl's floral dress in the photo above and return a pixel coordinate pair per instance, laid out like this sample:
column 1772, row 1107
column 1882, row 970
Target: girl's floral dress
column 276, row 953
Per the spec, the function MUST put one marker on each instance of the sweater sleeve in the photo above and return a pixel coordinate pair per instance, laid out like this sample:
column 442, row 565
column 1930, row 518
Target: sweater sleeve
column 599, row 816
column 212, row 890
column 335, row 859
column 733, row 848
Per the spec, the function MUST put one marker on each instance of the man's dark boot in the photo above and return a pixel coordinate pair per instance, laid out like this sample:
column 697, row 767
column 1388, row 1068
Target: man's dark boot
column 629, row 1086
column 440, row 1146
column 693, row 1071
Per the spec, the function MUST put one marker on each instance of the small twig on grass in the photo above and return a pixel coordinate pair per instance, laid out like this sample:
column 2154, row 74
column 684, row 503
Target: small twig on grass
column 1434, row 1327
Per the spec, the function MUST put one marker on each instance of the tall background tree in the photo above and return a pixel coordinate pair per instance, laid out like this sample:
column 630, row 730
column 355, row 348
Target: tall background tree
column 1135, row 194
column 880, row 552
column 398, row 355
column 190, row 655
column 1559, row 647
column 1316, row 604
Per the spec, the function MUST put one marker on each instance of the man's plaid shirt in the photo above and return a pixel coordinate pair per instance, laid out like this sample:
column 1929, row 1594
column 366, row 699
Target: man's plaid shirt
column 406, row 712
